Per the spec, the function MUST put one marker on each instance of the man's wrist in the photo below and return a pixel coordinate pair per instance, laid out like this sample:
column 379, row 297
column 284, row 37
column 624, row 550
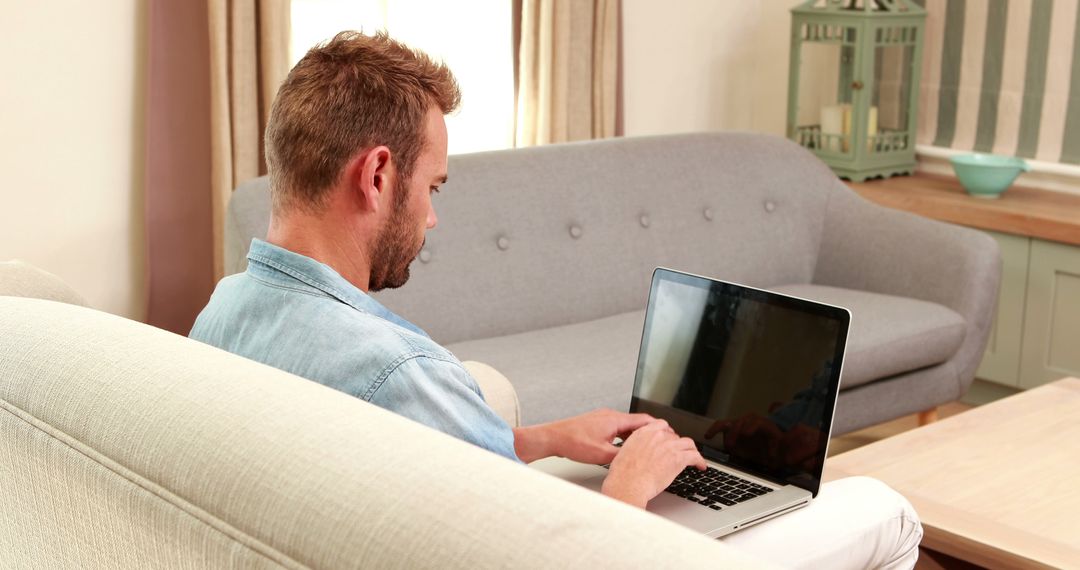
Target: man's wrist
column 533, row 442
column 618, row 489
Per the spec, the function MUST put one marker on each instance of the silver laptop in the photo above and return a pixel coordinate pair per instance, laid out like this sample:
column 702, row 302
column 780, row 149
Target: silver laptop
column 752, row 376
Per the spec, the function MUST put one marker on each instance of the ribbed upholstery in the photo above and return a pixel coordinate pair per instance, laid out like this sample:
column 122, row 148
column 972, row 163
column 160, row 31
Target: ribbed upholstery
column 536, row 239
column 124, row 446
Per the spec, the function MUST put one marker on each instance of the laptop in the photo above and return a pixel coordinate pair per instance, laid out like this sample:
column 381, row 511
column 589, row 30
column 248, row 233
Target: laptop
column 752, row 376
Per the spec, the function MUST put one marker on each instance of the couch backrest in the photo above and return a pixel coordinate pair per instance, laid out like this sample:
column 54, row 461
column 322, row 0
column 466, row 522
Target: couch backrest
column 125, row 446
column 558, row 234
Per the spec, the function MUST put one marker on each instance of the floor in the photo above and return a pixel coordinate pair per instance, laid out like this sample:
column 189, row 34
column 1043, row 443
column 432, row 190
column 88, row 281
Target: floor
column 928, row 559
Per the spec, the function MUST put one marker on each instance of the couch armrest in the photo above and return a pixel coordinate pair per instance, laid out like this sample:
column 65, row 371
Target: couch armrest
column 874, row 248
column 20, row 279
column 498, row 392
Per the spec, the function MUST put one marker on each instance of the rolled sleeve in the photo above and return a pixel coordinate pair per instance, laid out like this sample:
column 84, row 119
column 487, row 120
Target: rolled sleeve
column 440, row 394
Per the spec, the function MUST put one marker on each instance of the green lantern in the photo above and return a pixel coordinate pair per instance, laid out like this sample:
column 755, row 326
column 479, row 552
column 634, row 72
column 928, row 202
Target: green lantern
column 853, row 84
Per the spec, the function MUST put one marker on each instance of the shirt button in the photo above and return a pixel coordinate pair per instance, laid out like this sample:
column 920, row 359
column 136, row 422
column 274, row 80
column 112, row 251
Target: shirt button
column 770, row 206
column 708, row 213
column 425, row 256
column 503, row 242
column 575, row 231
column 644, row 220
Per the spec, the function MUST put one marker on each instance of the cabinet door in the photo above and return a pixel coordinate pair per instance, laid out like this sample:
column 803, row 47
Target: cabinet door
column 1051, row 346
column 1001, row 362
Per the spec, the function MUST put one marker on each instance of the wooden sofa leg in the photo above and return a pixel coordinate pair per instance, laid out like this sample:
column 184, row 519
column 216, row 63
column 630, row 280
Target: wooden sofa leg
column 928, row 416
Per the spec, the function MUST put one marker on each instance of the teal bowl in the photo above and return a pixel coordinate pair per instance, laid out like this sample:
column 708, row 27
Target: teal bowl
column 987, row 175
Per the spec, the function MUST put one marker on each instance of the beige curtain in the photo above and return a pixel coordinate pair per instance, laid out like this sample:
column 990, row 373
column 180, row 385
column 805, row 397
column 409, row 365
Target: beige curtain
column 249, row 58
column 567, row 74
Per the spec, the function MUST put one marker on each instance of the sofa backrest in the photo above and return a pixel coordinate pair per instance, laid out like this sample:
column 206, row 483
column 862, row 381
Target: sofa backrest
column 552, row 235
column 125, row 446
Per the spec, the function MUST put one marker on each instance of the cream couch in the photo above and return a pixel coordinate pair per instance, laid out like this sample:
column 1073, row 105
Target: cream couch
column 125, row 446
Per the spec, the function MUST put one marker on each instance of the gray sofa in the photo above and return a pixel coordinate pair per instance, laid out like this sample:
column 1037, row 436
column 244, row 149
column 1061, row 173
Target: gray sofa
column 541, row 262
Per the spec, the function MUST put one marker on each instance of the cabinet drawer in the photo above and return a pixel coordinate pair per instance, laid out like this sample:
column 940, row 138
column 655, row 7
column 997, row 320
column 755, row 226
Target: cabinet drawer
column 1051, row 337
column 1001, row 362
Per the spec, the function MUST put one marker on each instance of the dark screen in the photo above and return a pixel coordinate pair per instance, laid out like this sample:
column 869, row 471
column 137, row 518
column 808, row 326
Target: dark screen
column 751, row 376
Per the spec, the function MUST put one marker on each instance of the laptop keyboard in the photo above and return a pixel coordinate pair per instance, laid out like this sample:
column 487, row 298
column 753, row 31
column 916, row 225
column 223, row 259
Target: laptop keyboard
column 714, row 488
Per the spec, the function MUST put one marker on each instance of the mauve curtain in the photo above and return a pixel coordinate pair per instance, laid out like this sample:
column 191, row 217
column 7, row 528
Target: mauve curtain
column 179, row 234
column 214, row 68
column 249, row 58
column 568, row 61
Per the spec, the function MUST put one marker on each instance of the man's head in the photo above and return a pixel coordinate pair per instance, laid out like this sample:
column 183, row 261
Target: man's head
column 364, row 115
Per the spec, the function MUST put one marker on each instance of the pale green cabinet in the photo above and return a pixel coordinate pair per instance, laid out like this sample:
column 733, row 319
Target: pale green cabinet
column 1001, row 363
column 1035, row 337
column 1051, row 345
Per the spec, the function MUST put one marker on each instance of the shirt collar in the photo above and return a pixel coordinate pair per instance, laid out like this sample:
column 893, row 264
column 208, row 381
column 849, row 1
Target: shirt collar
column 294, row 266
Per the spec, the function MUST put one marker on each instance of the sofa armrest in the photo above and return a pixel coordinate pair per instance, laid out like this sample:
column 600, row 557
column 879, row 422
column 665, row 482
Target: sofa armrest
column 20, row 279
column 874, row 248
column 498, row 392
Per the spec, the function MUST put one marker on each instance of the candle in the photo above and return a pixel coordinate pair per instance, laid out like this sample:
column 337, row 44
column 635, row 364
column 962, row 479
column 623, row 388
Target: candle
column 836, row 120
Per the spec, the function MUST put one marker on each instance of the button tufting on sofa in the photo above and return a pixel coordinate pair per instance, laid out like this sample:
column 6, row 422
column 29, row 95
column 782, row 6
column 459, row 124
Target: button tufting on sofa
column 644, row 219
column 708, row 213
column 770, row 206
column 425, row 256
column 575, row 231
column 503, row 242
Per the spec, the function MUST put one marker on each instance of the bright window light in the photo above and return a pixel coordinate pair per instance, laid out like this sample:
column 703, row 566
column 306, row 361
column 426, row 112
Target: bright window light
column 474, row 42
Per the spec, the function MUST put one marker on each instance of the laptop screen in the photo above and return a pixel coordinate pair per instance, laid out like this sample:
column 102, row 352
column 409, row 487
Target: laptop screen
column 751, row 376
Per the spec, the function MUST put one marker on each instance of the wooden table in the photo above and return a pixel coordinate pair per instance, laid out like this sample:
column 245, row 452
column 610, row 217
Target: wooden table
column 998, row 485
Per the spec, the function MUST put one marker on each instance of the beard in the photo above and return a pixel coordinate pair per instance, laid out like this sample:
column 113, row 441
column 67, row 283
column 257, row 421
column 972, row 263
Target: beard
column 396, row 246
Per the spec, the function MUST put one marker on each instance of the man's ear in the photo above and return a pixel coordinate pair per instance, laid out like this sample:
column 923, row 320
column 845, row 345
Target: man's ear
column 369, row 175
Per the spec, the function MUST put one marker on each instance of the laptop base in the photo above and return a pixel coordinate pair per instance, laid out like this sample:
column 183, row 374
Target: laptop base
column 699, row 518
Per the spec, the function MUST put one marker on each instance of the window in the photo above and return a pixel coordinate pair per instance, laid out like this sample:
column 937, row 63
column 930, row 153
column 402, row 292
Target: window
column 473, row 39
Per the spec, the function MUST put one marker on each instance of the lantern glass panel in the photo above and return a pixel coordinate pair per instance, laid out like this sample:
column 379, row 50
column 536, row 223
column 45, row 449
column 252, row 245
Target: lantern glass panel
column 823, row 113
column 889, row 121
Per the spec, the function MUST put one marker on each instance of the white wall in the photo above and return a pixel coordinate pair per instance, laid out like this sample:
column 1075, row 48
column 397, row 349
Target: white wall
column 71, row 138
column 705, row 65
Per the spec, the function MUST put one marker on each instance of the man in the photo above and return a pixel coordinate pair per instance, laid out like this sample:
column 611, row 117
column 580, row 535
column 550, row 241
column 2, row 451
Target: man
column 356, row 146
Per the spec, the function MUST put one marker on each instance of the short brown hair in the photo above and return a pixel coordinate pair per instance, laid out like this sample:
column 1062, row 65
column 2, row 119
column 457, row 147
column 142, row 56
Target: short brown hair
column 345, row 95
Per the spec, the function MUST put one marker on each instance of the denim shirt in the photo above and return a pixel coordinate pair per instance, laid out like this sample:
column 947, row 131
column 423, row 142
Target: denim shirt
column 294, row 313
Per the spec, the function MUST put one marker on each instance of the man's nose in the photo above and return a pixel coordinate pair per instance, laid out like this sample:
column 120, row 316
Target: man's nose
column 432, row 219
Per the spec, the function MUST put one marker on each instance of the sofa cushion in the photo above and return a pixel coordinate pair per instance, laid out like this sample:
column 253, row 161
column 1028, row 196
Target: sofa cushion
column 889, row 335
column 562, row 371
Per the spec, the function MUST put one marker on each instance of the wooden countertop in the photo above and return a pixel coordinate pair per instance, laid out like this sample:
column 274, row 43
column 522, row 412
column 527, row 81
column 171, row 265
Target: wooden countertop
column 1029, row 212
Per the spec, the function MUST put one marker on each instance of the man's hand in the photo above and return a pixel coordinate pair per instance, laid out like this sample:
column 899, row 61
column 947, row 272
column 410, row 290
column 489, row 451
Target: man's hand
column 648, row 462
column 586, row 438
